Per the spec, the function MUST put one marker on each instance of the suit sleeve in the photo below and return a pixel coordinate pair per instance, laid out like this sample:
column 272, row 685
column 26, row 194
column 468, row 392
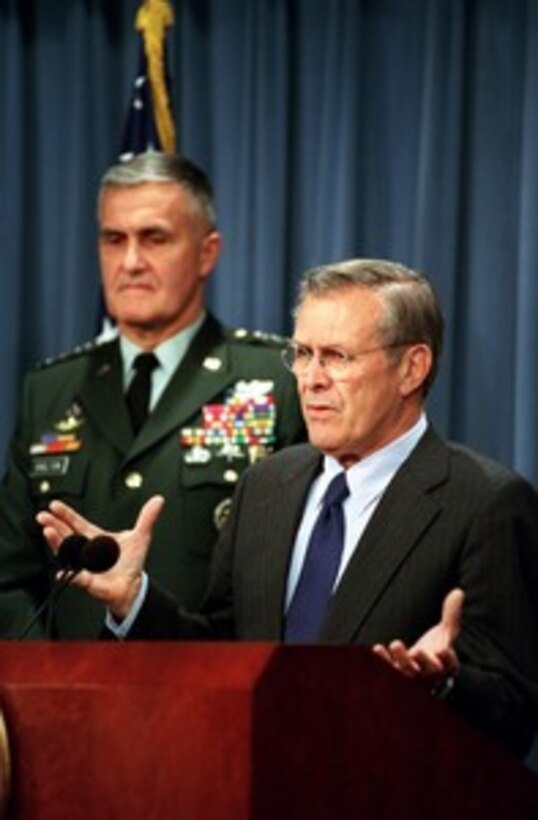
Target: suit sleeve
column 160, row 618
column 497, row 686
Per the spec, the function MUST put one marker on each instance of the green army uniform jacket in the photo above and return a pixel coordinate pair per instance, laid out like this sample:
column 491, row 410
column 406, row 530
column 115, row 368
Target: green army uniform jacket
column 230, row 403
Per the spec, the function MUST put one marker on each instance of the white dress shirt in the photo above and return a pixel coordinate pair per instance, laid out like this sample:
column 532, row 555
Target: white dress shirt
column 367, row 481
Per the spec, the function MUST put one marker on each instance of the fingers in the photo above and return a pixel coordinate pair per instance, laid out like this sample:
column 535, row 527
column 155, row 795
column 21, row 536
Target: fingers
column 53, row 532
column 403, row 660
column 415, row 663
column 451, row 613
column 60, row 520
column 382, row 652
column 148, row 516
column 442, row 664
column 399, row 657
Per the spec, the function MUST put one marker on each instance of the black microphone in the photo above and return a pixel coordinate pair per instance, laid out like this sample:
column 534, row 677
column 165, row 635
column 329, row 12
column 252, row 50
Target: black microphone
column 76, row 552
column 96, row 555
column 100, row 554
column 69, row 555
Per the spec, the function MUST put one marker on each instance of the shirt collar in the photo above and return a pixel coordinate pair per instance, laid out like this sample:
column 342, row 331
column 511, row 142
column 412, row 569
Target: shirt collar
column 369, row 476
column 169, row 353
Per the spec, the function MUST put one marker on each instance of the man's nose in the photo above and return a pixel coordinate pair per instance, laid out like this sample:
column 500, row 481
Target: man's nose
column 132, row 257
column 315, row 373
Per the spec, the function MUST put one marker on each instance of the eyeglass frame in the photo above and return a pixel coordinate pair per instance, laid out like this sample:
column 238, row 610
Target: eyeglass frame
column 346, row 358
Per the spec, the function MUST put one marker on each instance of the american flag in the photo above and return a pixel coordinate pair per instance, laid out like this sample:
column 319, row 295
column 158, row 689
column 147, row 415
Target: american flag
column 150, row 123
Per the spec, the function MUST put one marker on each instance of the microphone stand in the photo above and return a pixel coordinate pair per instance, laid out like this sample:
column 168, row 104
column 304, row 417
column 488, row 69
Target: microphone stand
column 48, row 605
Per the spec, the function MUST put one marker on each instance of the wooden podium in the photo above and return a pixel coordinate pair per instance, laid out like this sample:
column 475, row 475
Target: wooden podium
column 240, row 732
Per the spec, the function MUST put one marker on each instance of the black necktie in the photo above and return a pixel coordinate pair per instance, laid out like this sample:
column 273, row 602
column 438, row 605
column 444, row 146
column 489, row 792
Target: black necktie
column 308, row 607
column 137, row 396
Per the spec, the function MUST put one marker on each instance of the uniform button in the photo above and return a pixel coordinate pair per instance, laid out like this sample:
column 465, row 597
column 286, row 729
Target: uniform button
column 212, row 363
column 134, row 480
column 230, row 476
column 44, row 486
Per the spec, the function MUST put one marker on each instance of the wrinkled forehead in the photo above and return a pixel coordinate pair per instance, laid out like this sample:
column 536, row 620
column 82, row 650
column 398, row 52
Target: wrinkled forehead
column 161, row 197
column 339, row 317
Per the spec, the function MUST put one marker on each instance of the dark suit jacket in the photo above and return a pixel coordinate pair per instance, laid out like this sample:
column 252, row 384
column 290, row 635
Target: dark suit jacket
column 449, row 518
column 110, row 474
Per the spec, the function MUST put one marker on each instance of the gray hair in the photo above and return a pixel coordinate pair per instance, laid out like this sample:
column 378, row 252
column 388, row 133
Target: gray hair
column 412, row 312
column 156, row 166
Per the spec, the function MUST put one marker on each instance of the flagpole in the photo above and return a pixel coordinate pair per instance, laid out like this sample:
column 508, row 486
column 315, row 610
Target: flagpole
column 152, row 21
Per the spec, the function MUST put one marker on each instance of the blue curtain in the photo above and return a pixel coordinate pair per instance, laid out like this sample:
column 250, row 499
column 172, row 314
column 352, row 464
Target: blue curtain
column 405, row 129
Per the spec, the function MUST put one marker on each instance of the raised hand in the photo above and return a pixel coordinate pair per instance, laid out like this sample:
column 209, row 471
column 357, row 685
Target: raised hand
column 118, row 587
column 433, row 655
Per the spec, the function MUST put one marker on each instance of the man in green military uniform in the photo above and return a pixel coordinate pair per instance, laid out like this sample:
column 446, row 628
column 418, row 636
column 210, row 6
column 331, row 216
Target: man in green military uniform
column 217, row 400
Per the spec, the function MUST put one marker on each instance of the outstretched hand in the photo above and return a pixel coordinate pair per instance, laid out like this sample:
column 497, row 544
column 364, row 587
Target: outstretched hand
column 118, row 587
column 433, row 655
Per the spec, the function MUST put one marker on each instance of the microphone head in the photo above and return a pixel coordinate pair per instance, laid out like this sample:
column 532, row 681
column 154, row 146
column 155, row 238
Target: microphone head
column 100, row 554
column 69, row 555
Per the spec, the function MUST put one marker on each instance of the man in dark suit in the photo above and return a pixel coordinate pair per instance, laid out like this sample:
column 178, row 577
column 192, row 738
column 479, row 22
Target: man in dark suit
column 218, row 401
column 419, row 527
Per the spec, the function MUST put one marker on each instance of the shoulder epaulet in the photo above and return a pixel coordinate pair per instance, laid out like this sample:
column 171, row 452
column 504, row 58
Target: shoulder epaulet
column 241, row 334
column 67, row 355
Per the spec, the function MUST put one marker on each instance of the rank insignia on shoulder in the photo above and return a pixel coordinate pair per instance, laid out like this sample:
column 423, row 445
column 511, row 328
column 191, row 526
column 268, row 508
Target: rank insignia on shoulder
column 257, row 337
column 67, row 355
column 240, row 333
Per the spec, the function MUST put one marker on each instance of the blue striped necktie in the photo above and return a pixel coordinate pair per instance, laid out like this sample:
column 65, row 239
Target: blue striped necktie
column 308, row 607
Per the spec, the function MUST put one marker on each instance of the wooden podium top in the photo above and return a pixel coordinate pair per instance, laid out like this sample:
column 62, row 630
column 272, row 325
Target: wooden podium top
column 241, row 732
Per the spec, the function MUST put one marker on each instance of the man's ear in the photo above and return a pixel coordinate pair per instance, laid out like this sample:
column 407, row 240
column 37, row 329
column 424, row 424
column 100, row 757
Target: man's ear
column 415, row 366
column 209, row 253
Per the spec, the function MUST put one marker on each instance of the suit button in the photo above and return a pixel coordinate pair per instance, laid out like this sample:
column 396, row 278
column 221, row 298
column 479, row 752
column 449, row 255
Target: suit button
column 134, row 480
column 44, row 486
column 230, row 476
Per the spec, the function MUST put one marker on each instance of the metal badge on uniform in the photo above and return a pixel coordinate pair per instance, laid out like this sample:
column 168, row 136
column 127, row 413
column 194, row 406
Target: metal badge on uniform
column 221, row 513
column 104, row 369
column 212, row 363
column 47, row 466
column 256, row 452
column 72, row 420
column 197, row 455
column 253, row 388
column 230, row 451
column 241, row 428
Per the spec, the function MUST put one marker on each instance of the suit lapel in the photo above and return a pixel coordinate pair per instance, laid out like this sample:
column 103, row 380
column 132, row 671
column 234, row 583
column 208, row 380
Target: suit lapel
column 101, row 397
column 402, row 516
column 204, row 373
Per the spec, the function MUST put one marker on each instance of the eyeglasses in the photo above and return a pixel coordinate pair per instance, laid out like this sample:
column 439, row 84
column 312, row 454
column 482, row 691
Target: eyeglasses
column 334, row 361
